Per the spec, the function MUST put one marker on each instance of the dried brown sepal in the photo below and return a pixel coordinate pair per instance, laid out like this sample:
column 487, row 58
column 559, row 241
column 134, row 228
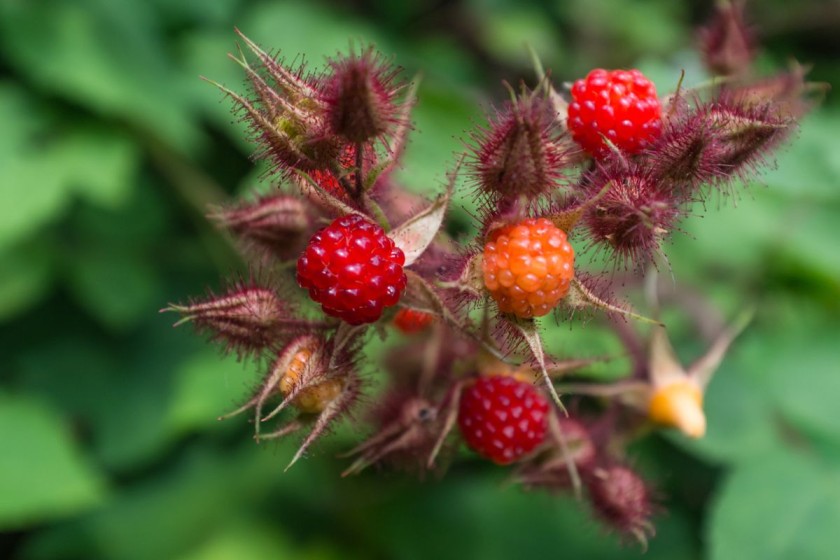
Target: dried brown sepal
column 407, row 430
column 550, row 468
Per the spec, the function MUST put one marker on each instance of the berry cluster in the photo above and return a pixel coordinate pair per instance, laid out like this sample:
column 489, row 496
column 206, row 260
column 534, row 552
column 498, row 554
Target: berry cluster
column 602, row 173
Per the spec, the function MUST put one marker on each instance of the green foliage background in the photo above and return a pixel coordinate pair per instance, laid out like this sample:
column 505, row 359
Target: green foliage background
column 112, row 148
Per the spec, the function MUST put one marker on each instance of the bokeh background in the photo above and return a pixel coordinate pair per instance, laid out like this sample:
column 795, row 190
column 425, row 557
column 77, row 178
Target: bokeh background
column 111, row 150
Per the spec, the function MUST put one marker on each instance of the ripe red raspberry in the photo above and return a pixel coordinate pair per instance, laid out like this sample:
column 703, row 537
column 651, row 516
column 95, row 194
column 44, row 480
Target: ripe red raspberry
column 502, row 418
column 353, row 270
column 620, row 105
column 528, row 267
column 411, row 321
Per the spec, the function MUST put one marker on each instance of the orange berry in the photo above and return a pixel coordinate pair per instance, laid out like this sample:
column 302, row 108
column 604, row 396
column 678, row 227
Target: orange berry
column 528, row 267
column 312, row 399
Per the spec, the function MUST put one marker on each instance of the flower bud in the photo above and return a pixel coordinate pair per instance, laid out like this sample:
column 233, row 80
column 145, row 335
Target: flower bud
column 278, row 223
column 621, row 501
column 521, row 152
column 745, row 134
column 248, row 318
column 359, row 96
column 634, row 215
column 727, row 43
column 286, row 114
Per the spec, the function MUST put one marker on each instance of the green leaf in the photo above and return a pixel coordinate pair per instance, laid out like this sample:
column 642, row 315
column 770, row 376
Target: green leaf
column 43, row 475
column 777, row 506
column 25, row 277
column 99, row 164
column 117, row 287
column 39, row 177
column 108, row 57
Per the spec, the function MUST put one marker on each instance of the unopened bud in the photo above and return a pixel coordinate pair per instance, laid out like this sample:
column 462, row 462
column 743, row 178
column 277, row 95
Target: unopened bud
column 278, row 223
column 745, row 134
column 285, row 114
column 359, row 95
column 727, row 43
column 521, row 152
column 248, row 318
column 633, row 216
column 621, row 500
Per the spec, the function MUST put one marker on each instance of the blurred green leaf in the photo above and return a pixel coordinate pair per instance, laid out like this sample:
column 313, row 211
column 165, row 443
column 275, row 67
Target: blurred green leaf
column 106, row 56
column 170, row 513
column 43, row 475
column 208, row 386
column 42, row 167
column 116, row 287
column 780, row 505
column 25, row 277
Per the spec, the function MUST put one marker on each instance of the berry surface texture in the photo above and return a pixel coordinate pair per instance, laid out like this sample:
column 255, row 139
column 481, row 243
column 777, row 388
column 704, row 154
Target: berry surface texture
column 353, row 270
column 502, row 418
column 528, row 267
column 620, row 106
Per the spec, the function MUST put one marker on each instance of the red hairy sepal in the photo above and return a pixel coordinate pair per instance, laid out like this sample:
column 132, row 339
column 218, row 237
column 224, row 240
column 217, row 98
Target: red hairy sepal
column 621, row 501
column 247, row 318
column 522, row 151
column 360, row 96
column 277, row 223
column 285, row 113
column 633, row 216
column 727, row 43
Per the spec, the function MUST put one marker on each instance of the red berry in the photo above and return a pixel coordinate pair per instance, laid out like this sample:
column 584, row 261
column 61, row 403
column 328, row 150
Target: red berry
column 620, row 105
column 502, row 418
column 411, row 321
column 528, row 267
column 327, row 180
column 353, row 270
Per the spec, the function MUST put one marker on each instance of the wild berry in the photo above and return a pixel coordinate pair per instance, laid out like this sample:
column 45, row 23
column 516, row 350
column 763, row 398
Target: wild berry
column 353, row 270
column 411, row 321
column 620, row 106
column 528, row 267
column 502, row 418
column 312, row 399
